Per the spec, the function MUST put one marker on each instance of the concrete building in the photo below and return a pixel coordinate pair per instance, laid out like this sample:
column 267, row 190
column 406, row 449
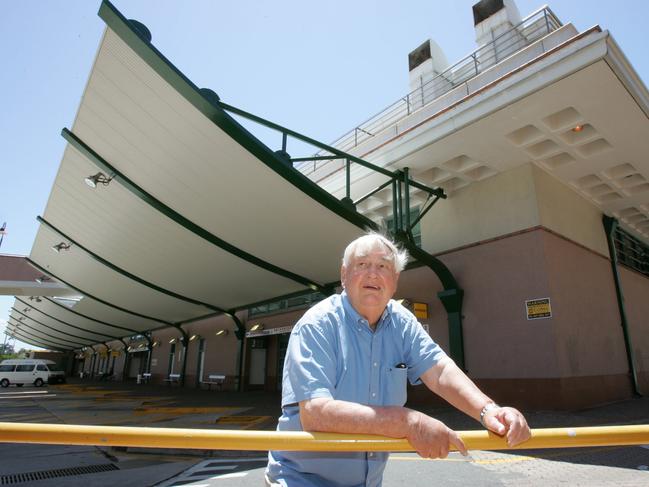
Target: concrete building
column 531, row 269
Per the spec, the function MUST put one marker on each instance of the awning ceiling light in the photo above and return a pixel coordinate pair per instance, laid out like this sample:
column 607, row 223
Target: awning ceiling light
column 96, row 179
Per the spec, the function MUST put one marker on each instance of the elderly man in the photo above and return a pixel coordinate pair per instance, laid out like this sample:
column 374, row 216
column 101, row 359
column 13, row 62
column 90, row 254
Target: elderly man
column 346, row 368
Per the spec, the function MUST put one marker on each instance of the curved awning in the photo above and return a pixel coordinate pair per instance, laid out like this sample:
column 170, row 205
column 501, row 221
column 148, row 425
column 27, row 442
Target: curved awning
column 191, row 216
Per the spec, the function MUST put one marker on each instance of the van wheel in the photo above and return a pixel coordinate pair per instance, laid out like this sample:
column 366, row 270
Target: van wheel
column 4, row 383
column 38, row 382
column 19, row 385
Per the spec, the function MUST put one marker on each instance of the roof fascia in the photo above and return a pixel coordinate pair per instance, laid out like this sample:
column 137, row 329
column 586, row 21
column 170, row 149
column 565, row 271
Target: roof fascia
column 627, row 75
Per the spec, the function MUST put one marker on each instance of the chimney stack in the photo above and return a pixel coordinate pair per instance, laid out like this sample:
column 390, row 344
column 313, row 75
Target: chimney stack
column 424, row 63
column 491, row 19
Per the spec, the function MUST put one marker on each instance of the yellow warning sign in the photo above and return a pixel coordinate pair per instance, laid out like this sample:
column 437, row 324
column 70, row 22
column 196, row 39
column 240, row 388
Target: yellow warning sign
column 420, row 310
column 538, row 308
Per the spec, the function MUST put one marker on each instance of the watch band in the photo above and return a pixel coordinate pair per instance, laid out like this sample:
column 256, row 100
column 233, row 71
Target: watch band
column 488, row 407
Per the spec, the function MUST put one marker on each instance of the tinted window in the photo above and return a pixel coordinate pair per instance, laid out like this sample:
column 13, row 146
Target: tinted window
column 7, row 368
column 41, row 367
column 24, row 368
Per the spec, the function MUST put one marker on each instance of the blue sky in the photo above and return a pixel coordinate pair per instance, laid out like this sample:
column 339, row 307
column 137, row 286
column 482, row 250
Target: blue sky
column 317, row 67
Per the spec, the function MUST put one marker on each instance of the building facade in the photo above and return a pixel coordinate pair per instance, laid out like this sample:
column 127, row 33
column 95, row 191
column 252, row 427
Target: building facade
column 539, row 141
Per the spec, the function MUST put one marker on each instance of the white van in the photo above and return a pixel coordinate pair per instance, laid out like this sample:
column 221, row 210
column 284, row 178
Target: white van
column 29, row 371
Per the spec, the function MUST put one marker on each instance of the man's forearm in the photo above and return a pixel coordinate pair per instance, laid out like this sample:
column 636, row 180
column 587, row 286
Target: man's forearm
column 330, row 415
column 448, row 381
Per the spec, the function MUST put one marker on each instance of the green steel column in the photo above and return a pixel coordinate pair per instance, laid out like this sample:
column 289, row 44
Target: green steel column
column 150, row 355
column 395, row 216
column 452, row 301
column 125, row 350
column 399, row 205
column 348, row 179
column 406, row 184
column 610, row 224
column 240, row 333
column 184, row 340
column 451, row 297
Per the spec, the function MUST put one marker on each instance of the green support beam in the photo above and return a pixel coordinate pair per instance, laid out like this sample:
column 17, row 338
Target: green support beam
column 610, row 225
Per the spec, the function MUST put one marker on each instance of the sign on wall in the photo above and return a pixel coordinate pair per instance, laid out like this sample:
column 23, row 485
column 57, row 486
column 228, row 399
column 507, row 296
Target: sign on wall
column 538, row 308
column 271, row 331
column 420, row 310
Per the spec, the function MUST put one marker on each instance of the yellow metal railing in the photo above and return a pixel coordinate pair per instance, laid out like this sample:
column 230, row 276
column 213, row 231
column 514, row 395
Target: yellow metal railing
column 58, row 434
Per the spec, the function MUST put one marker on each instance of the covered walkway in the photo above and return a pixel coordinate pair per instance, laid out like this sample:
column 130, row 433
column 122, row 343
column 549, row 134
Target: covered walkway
column 167, row 211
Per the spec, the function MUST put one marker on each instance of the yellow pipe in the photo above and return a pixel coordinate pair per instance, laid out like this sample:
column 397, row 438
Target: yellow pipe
column 58, row 434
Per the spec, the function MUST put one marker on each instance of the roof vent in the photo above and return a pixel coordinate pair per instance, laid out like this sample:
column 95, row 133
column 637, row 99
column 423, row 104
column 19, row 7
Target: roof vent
column 419, row 55
column 494, row 22
column 424, row 64
column 485, row 9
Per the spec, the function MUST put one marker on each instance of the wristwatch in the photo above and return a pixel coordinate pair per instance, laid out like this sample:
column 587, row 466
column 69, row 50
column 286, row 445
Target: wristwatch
column 488, row 407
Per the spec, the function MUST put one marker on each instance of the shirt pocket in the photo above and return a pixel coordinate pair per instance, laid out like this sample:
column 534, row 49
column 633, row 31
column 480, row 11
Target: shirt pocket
column 395, row 386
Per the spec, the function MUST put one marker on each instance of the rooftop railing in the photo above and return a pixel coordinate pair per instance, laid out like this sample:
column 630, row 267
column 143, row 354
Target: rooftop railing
column 532, row 28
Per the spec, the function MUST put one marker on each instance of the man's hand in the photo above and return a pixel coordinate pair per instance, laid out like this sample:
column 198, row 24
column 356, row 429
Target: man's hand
column 508, row 422
column 432, row 438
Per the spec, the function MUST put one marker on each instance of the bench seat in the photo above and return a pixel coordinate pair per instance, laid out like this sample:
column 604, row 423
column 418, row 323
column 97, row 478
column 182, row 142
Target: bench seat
column 214, row 379
column 173, row 379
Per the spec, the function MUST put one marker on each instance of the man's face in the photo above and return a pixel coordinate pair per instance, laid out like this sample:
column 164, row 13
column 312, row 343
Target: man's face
column 370, row 281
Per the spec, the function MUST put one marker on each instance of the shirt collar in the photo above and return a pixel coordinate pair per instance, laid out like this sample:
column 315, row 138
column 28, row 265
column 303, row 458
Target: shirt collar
column 354, row 315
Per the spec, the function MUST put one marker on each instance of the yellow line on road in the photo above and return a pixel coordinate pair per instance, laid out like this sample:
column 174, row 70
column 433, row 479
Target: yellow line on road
column 181, row 410
column 509, row 458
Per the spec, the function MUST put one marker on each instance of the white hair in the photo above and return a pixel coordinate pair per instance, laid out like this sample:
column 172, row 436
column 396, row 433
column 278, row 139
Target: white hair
column 372, row 240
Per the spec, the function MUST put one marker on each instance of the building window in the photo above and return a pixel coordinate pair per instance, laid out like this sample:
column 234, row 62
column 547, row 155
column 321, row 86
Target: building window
column 631, row 251
column 304, row 301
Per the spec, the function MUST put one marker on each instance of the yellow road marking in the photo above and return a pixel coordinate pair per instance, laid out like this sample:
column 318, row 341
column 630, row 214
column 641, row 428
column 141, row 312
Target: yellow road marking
column 247, row 422
column 510, row 458
column 181, row 410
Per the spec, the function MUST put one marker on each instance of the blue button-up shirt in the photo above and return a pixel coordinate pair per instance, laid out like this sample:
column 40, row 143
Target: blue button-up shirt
column 333, row 353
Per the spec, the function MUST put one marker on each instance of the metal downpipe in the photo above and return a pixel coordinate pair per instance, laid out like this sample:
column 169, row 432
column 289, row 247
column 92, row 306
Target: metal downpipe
column 610, row 225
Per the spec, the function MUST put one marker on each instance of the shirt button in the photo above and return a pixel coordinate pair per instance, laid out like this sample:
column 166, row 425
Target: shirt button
column 371, row 454
column 374, row 394
column 376, row 364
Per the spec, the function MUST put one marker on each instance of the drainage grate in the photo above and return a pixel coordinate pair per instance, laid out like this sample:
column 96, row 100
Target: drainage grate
column 19, row 478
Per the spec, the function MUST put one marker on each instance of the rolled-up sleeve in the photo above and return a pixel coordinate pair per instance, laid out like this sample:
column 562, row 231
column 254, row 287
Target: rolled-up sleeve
column 311, row 363
column 422, row 352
